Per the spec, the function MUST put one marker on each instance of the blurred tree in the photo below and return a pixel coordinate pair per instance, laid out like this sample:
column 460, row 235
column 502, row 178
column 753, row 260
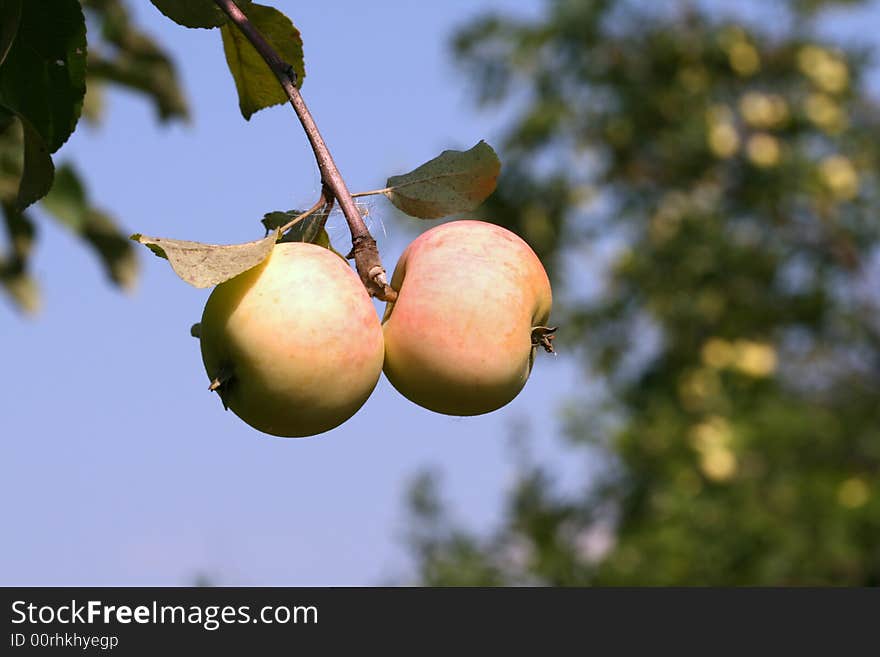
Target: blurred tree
column 733, row 174
column 120, row 55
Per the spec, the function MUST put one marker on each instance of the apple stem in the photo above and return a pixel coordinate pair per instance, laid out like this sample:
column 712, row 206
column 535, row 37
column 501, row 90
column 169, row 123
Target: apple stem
column 364, row 249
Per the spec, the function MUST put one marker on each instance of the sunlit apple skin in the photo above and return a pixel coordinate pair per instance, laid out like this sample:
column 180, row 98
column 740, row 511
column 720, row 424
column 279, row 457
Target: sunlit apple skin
column 458, row 340
column 298, row 338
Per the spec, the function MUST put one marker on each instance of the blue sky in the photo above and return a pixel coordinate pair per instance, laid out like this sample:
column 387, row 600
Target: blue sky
column 117, row 466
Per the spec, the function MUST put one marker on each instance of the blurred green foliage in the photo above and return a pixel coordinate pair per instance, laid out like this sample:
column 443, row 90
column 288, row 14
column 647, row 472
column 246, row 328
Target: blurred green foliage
column 119, row 54
column 732, row 174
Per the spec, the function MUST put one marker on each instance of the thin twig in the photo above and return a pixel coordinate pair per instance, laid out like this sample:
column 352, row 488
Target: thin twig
column 374, row 192
column 365, row 253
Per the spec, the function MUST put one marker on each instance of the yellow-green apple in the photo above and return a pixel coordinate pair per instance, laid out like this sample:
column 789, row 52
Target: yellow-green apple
column 460, row 338
column 294, row 346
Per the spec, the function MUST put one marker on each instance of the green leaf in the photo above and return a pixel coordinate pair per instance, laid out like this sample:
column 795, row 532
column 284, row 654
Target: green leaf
column 20, row 229
column 206, row 265
column 134, row 60
column 453, row 182
column 13, row 269
column 311, row 229
column 43, row 76
column 10, row 16
column 18, row 284
column 26, row 168
column 67, row 199
column 277, row 219
column 42, row 80
column 193, row 13
column 69, row 203
column 38, row 171
column 255, row 82
column 11, row 156
column 153, row 77
column 113, row 247
column 94, row 103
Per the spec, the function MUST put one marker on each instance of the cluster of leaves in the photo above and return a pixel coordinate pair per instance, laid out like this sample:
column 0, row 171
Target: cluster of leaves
column 46, row 66
column 734, row 175
column 453, row 182
column 255, row 82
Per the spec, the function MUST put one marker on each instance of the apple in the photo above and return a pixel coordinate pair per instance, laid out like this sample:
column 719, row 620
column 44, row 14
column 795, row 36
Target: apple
column 293, row 346
column 473, row 301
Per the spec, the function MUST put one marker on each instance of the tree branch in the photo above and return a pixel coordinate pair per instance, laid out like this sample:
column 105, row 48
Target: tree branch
column 364, row 250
